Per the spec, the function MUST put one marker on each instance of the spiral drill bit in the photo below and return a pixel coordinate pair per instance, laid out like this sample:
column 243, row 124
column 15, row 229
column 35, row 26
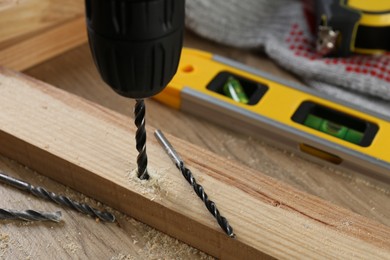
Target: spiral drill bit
column 29, row 215
column 61, row 200
column 140, row 137
column 199, row 190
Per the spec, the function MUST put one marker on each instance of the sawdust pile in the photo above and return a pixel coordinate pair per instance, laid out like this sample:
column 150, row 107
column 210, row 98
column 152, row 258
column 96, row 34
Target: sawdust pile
column 4, row 243
column 156, row 187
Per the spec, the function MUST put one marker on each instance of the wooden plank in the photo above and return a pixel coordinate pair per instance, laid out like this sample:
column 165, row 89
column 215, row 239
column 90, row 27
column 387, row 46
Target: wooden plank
column 46, row 45
column 35, row 30
column 91, row 149
column 5, row 4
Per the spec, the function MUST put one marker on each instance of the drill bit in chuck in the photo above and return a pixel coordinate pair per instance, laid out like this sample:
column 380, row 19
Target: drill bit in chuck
column 29, row 215
column 140, row 137
column 61, row 200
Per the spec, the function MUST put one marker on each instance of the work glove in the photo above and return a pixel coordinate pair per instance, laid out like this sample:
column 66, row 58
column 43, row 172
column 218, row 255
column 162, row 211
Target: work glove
column 280, row 28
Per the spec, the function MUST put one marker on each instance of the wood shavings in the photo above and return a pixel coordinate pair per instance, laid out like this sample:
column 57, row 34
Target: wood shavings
column 174, row 249
column 151, row 186
column 72, row 247
column 123, row 257
column 4, row 243
column 156, row 186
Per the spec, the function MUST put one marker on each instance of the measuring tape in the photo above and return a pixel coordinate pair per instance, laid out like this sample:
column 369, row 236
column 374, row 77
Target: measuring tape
column 344, row 27
column 294, row 117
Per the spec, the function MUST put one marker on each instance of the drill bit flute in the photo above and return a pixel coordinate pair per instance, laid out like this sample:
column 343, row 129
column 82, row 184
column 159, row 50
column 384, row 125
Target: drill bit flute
column 199, row 190
column 61, row 200
column 140, row 137
column 29, row 215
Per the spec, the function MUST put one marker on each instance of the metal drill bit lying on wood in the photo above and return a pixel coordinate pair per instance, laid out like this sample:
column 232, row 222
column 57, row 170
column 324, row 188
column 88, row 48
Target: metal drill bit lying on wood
column 29, row 215
column 61, row 200
column 210, row 205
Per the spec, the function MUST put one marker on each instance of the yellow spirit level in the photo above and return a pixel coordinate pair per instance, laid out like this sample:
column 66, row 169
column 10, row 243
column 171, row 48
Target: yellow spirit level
column 252, row 102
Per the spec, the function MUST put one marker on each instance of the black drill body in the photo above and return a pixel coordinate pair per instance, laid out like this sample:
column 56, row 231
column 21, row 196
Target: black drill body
column 136, row 44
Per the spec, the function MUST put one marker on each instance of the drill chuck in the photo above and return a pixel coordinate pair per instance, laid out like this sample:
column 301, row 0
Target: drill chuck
column 136, row 44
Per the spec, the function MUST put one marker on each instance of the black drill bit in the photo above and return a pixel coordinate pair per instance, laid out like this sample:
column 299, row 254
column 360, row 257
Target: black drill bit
column 61, row 200
column 140, row 138
column 210, row 205
column 29, row 215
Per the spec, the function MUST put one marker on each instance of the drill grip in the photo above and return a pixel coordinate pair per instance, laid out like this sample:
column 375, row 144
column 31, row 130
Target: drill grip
column 136, row 45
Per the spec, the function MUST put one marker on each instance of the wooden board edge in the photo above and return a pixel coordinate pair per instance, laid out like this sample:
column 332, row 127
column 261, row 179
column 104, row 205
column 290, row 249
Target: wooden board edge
column 48, row 44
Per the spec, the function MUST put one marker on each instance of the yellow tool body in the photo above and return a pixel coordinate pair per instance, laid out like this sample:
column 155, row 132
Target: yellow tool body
column 373, row 14
column 344, row 27
column 281, row 113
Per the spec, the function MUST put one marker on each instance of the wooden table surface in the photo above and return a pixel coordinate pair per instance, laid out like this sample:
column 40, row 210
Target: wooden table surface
column 82, row 237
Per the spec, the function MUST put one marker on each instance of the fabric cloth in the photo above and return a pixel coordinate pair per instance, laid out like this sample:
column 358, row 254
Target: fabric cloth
column 280, row 28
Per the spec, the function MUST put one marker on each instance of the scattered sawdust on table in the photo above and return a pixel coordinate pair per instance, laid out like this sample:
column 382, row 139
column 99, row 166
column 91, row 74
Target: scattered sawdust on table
column 173, row 248
column 4, row 243
column 72, row 247
column 123, row 257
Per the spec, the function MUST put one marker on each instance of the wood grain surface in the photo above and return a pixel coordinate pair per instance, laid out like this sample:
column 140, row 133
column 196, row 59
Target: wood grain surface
column 32, row 31
column 75, row 72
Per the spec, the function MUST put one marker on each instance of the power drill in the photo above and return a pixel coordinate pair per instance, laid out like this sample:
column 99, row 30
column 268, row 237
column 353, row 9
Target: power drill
column 136, row 46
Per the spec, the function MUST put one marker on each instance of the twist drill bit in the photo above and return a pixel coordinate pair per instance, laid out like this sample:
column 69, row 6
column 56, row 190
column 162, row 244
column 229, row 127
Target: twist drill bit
column 29, row 215
column 140, row 137
column 61, row 200
column 199, row 190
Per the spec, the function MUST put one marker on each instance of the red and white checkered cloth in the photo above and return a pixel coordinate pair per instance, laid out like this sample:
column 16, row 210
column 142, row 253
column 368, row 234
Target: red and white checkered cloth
column 280, row 28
